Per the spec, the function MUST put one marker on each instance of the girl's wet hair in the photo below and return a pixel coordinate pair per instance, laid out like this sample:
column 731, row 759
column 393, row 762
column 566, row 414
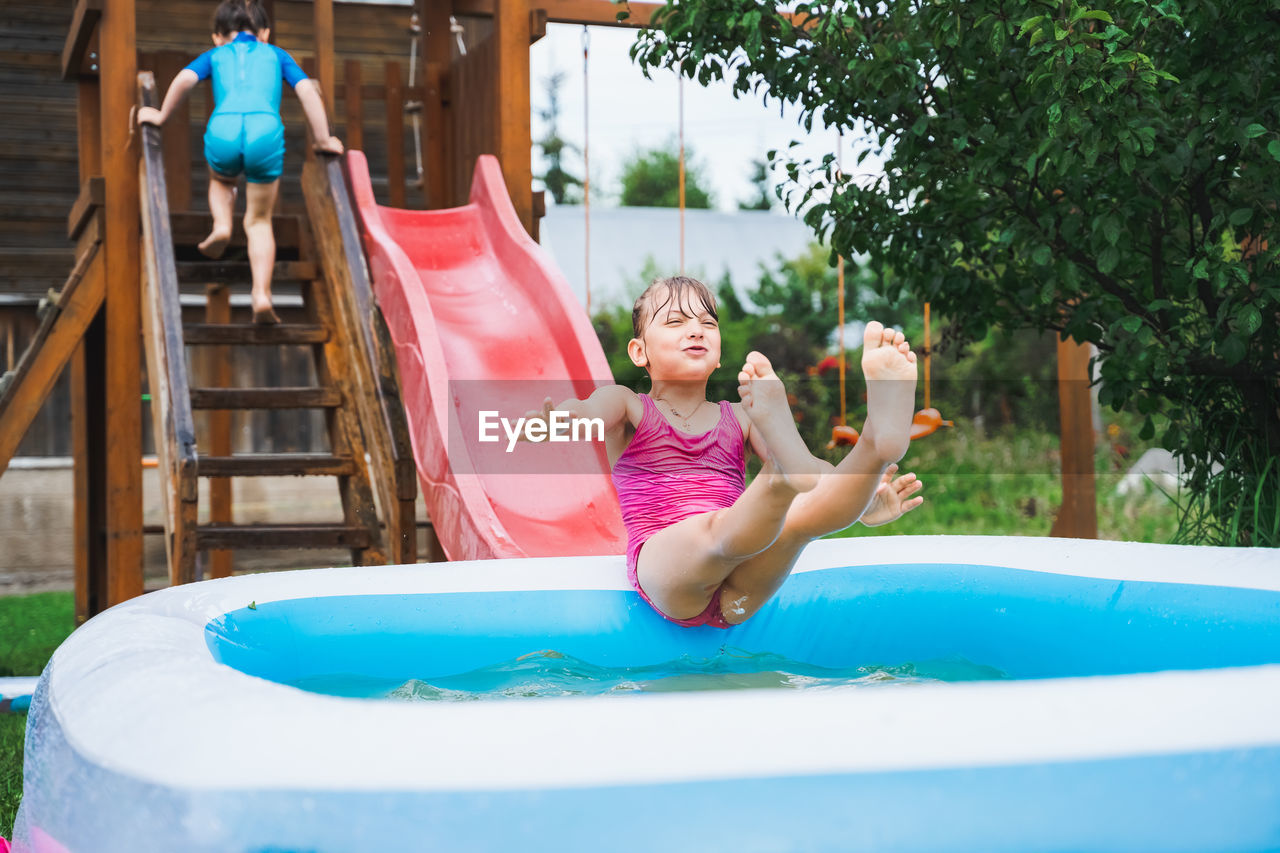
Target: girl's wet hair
column 681, row 290
column 237, row 16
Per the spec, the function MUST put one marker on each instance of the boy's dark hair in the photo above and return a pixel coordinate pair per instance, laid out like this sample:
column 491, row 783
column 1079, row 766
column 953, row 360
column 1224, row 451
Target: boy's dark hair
column 677, row 287
column 237, row 16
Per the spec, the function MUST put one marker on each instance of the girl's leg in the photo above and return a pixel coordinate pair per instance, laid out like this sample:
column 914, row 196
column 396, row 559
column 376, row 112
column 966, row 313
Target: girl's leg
column 222, row 202
column 845, row 490
column 260, row 200
column 681, row 566
column 839, row 500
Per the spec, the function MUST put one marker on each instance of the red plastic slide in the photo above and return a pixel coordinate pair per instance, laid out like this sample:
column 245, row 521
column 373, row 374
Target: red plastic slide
column 485, row 327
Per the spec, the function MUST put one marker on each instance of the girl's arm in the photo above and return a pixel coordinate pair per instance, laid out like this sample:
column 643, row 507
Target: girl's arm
column 308, row 92
column 609, row 403
column 178, row 89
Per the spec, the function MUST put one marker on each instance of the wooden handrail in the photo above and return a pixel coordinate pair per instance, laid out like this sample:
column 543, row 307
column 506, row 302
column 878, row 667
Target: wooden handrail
column 175, row 435
column 381, row 412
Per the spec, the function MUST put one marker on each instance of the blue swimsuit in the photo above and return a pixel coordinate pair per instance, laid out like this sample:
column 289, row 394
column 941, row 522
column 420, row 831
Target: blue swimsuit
column 245, row 133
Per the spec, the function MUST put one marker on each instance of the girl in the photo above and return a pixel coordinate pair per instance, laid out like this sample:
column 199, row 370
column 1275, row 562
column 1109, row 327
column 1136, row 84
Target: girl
column 702, row 550
column 245, row 134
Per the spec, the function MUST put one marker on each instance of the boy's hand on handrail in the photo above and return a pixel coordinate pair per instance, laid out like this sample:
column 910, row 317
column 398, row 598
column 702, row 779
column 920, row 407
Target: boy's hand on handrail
column 331, row 145
column 151, row 116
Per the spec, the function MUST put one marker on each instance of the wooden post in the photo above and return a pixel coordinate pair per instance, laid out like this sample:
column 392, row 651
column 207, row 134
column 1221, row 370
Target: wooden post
column 218, row 310
column 89, row 129
column 88, row 449
column 123, row 421
column 395, row 136
column 177, row 132
column 354, row 102
column 322, row 16
column 514, row 132
column 1078, row 517
column 87, row 407
column 436, row 52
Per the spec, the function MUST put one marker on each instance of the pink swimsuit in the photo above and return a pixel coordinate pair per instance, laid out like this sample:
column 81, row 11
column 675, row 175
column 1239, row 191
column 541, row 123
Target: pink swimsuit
column 666, row 475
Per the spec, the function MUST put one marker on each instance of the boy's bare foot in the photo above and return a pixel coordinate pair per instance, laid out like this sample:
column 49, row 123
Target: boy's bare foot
column 265, row 316
column 889, row 366
column 216, row 243
column 765, row 401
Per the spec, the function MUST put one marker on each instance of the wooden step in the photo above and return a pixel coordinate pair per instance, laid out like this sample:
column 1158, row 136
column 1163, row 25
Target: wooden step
column 280, row 536
column 275, row 465
column 254, row 333
column 237, row 272
column 190, row 228
column 265, row 398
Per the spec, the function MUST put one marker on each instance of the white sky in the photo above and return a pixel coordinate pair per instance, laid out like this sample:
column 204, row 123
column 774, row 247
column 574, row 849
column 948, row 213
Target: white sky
column 629, row 113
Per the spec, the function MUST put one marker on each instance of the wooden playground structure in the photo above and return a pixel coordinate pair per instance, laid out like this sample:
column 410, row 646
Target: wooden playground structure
column 137, row 219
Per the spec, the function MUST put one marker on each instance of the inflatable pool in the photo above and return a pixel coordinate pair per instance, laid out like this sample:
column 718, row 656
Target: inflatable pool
column 1138, row 708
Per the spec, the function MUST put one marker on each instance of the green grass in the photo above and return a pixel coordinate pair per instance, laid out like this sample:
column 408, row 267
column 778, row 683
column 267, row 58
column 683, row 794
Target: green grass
column 31, row 627
column 1008, row 485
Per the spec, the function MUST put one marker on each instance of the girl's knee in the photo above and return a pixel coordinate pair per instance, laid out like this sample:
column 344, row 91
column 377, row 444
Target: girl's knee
column 254, row 219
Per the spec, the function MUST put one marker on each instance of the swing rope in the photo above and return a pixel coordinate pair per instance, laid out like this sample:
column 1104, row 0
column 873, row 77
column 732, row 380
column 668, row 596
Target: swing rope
column 414, row 108
column 927, row 350
column 586, row 166
column 680, row 101
column 840, row 294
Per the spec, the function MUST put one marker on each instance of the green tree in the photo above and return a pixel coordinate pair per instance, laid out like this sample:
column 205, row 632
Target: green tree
column 652, row 179
column 1110, row 175
column 763, row 183
column 564, row 187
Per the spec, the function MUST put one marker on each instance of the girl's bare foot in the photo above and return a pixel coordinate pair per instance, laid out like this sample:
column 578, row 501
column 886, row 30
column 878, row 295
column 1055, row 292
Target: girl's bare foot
column 216, row 243
column 765, row 402
column 889, row 366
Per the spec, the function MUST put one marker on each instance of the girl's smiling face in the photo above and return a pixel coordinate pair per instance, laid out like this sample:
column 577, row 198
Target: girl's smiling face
column 679, row 340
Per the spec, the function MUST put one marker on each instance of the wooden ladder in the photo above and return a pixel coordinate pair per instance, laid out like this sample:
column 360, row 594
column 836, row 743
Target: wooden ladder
column 368, row 446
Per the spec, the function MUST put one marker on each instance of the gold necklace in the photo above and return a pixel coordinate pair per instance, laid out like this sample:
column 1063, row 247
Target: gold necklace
column 684, row 420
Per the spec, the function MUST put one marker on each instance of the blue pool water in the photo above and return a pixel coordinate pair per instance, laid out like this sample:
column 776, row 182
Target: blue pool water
column 551, row 673
column 1022, row 625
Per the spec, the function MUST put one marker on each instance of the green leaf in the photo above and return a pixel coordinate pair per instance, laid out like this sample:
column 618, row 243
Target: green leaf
column 1241, row 215
column 1098, row 15
column 1043, row 255
column 1253, row 131
column 1127, row 161
column 1201, row 269
column 1148, row 430
column 1248, row 319
column 1111, row 228
column 1131, row 324
column 1029, row 23
column 1232, row 349
column 1273, row 148
column 1108, row 258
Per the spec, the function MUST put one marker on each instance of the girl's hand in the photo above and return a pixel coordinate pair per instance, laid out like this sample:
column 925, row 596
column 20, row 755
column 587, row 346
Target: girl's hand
column 332, row 145
column 150, row 115
column 543, row 414
column 892, row 499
